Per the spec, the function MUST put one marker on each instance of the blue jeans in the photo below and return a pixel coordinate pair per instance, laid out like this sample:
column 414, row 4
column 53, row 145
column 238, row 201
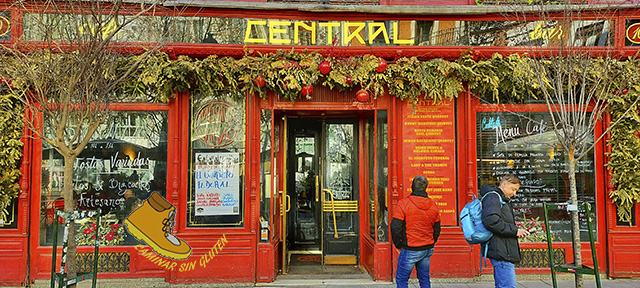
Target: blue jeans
column 504, row 274
column 407, row 260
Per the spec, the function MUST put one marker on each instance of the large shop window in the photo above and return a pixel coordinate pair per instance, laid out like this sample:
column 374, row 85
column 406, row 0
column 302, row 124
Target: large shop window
column 217, row 156
column 378, row 186
column 383, row 175
column 124, row 163
column 524, row 143
column 266, row 193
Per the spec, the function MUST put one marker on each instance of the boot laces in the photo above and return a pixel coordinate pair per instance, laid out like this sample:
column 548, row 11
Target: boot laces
column 169, row 222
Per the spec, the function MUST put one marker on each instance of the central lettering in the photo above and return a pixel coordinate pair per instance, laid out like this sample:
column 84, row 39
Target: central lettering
column 546, row 33
column 277, row 32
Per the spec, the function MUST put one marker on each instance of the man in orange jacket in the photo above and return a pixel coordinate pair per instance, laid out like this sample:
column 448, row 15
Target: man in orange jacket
column 415, row 228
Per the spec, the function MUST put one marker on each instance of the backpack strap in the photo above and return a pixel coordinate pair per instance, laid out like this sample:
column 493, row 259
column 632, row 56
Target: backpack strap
column 483, row 255
column 494, row 192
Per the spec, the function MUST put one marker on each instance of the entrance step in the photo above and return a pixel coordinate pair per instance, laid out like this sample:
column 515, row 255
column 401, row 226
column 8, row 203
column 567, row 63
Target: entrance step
column 309, row 266
column 324, row 283
column 325, row 272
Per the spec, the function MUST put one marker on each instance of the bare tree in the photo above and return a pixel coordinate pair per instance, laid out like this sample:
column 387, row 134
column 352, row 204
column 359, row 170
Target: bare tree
column 66, row 67
column 575, row 68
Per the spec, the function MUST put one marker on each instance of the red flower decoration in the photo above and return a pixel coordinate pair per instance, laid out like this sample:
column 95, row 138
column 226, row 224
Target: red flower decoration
column 307, row 91
column 93, row 226
column 115, row 226
column 109, row 236
column 259, row 81
column 88, row 231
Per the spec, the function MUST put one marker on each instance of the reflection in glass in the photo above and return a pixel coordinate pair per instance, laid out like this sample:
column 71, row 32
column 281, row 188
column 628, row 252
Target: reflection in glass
column 306, row 216
column 125, row 162
column 524, row 143
column 339, row 173
column 217, row 153
column 383, row 174
column 370, row 140
column 265, row 166
column 261, row 31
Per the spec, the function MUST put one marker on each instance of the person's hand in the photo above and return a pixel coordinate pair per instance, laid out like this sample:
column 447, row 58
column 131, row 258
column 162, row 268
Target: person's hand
column 522, row 233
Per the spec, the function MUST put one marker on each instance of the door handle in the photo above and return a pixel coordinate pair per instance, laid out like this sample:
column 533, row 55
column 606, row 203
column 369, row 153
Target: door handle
column 288, row 206
column 285, row 206
column 317, row 189
column 386, row 198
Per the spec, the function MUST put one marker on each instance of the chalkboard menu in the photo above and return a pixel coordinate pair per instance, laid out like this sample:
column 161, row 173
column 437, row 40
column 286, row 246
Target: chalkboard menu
column 121, row 166
column 525, row 144
column 429, row 150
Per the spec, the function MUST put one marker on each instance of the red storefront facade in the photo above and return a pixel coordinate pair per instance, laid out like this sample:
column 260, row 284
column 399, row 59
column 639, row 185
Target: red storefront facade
column 317, row 176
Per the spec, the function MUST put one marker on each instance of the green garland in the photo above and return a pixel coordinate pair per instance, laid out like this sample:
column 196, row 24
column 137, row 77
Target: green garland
column 624, row 158
column 11, row 124
column 506, row 79
column 287, row 72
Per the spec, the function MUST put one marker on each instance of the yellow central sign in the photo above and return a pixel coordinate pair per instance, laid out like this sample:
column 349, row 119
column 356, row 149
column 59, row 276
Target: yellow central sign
column 349, row 31
column 546, row 33
column 5, row 26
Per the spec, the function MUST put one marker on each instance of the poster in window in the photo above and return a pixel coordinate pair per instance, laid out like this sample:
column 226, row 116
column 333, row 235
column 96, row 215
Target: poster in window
column 217, row 184
column 429, row 150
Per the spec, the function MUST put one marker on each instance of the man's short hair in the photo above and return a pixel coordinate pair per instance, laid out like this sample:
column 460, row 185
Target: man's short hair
column 511, row 179
column 419, row 184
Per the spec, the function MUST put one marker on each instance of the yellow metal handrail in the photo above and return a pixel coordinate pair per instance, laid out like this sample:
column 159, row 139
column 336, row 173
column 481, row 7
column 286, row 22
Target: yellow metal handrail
column 333, row 209
column 340, row 206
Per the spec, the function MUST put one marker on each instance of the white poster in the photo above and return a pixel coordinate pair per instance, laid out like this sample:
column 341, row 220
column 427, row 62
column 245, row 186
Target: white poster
column 217, row 184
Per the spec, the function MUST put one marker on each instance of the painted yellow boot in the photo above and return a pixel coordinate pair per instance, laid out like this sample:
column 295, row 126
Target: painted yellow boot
column 152, row 223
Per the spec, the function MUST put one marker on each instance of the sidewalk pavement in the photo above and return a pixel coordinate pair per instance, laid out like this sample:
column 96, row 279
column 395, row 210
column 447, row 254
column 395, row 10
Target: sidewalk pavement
column 442, row 283
column 479, row 282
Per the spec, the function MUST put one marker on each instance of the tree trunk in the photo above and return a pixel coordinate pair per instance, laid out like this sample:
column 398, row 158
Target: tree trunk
column 69, row 206
column 575, row 224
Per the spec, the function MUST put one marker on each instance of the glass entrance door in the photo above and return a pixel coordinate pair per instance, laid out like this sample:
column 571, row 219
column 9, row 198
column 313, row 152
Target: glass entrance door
column 340, row 193
column 323, row 190
column 305, row 223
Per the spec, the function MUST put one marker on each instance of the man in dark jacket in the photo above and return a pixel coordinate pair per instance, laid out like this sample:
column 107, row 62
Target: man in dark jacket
column 415, row 228
column 497, row 216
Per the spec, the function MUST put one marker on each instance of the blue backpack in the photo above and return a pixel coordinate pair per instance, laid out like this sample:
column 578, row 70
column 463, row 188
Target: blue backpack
column 471, row 222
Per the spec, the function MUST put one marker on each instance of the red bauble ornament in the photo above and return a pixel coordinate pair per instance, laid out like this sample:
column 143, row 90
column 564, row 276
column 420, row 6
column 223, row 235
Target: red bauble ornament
column 7, row 82
column 307, row 91
column 348, row 80
column 616, row 92
column 362, row 95
column 382, row 65
column 259, row 81
column 324, row 67
column 624, row 91
column 476, row 55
